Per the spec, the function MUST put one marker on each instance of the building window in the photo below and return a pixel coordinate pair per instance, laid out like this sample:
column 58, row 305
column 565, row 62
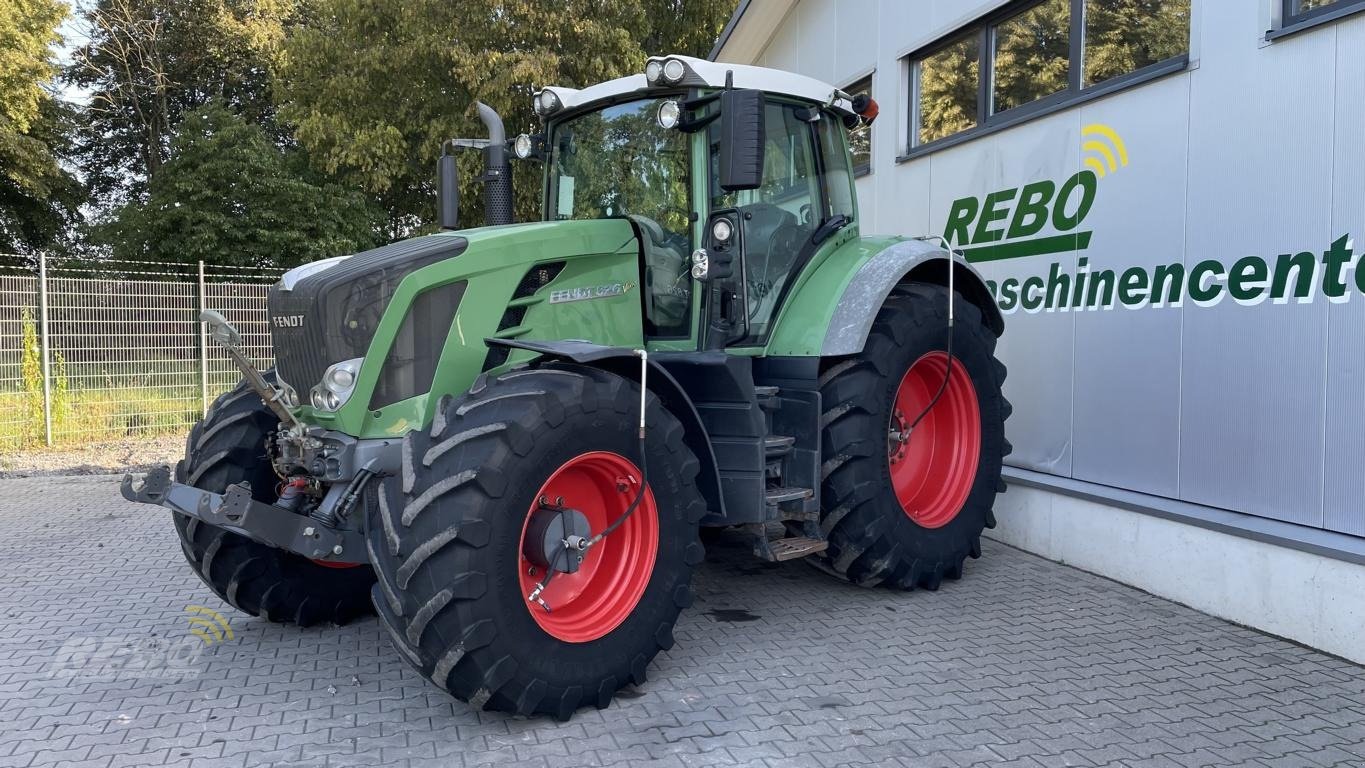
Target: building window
column 1298, row 13
column 949, row 87
column 1031, row 55
column 860, row 138
column 1034, row 55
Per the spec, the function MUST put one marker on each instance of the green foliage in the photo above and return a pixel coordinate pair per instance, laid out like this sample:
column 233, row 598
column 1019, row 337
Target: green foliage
column 149, row 63
column 374, row 87
column 38, row 199
column 30, row 379
column 229, row 195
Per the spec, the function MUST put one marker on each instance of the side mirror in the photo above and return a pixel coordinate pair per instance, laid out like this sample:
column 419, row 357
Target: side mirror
column 448, row 192
column 741, row 139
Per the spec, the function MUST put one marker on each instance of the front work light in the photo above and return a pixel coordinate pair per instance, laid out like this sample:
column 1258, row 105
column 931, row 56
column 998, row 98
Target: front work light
column 669, row 112
column 522, row 147
column 674, row 70
column 721, row 230
column 653, row 70
column 337, row 385
column 701, row 263
column 546, row 102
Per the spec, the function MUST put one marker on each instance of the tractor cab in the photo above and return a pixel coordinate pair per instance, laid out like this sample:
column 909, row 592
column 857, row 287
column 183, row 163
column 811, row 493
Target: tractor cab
column 732, row 177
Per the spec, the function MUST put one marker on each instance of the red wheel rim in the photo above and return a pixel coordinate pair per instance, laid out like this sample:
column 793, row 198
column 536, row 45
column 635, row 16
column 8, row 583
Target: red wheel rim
column 933, row 469
column 612, row 578
column 334, row 564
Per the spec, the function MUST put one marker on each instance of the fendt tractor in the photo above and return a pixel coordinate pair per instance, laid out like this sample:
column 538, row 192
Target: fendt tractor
column 506, row 440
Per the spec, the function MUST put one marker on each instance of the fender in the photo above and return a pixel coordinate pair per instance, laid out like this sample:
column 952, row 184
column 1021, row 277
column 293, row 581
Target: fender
column 862, row 274
column 872, row 283
column 623, row 362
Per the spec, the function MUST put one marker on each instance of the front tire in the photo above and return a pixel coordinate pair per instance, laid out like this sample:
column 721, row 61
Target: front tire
column 904, row 508
column 447, row 541
column 228, row 447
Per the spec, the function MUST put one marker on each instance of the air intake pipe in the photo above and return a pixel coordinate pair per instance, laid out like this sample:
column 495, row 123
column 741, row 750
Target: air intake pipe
column 497, row 188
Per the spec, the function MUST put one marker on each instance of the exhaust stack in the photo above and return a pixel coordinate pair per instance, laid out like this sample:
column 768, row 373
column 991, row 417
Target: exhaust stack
column 497, row 189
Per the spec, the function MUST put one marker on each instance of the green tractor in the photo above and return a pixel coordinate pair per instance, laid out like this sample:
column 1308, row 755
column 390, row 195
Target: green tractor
column 506, row 440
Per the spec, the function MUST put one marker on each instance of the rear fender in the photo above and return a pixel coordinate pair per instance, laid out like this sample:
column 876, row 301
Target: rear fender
column 624, row 362
column 834, row 305
column 905, row 261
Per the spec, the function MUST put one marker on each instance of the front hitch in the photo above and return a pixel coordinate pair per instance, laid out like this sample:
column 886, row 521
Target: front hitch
column 236, row 511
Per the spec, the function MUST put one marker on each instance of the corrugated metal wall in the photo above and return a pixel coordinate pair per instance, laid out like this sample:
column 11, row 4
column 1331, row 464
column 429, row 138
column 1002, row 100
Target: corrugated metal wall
column 1255, row 149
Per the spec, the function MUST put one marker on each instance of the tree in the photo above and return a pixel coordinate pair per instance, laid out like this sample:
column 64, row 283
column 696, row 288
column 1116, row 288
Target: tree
column 374, row 87
column 38, row 198
column 229, row 195
column 151, row 62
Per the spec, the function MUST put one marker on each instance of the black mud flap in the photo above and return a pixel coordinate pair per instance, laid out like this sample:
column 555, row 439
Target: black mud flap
column 237, row 512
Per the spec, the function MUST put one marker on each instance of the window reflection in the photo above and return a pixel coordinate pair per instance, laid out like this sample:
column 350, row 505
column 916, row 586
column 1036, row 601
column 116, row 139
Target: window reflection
column 949, row 82
column 1123, row 36
column 1032, row 55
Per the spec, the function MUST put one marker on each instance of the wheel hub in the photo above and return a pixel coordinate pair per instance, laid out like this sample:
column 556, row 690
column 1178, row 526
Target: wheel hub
column 555, row 538
column 589, row 492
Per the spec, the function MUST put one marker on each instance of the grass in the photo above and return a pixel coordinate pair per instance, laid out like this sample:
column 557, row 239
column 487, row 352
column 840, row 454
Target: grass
column 83, row 416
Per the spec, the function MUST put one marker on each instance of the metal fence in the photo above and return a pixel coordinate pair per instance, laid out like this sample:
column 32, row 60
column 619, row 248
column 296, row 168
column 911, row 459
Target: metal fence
column 94, row 351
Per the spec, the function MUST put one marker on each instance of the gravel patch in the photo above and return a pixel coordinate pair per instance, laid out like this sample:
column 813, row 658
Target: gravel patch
column 131, row 454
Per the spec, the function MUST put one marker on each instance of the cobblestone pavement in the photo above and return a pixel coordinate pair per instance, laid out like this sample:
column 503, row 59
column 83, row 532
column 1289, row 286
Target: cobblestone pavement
column 1023, row 663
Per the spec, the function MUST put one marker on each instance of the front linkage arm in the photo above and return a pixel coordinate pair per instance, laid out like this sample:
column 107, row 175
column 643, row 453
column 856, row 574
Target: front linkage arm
column 236, row 511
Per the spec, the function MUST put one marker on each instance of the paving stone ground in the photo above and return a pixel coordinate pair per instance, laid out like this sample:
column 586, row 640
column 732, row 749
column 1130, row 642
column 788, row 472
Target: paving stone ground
column 1022, row 663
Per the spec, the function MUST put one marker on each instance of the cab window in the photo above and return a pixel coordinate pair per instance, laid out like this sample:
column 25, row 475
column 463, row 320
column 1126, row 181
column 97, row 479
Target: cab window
column 619, row 163
column 779, row 217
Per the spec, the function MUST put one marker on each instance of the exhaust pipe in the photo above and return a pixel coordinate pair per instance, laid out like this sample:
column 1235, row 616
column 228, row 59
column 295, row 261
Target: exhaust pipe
column 497, row 188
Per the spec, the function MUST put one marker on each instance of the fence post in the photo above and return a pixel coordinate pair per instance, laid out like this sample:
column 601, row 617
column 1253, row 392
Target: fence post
column 46, row 351
column 203, row 347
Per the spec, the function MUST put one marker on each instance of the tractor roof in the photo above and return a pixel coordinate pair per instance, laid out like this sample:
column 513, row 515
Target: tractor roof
column 700, row 73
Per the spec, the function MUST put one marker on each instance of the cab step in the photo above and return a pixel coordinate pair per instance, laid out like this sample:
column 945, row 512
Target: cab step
column 794, row 547
column 789, row 547
column 767, row 397
column 777, row 446
column 782, row 495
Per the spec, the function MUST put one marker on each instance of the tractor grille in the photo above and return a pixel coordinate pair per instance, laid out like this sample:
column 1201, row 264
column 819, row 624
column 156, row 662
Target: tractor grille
column 331, row 315
column 537, row 277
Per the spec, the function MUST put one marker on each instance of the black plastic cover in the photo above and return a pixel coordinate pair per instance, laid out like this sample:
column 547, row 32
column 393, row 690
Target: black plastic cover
column 331, row 316
column 410, row 366
column 741, row 139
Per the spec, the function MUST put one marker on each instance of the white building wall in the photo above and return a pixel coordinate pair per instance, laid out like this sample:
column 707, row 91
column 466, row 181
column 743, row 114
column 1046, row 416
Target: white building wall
column 1254, row 149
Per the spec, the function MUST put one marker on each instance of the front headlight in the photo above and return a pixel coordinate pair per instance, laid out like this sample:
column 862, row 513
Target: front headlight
column 337, row 385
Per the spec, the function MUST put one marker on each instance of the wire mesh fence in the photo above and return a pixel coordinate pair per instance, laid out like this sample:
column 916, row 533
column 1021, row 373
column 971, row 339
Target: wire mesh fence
column 94, row 351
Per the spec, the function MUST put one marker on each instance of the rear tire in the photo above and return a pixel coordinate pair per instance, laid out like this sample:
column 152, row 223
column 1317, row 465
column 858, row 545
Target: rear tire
column 228, row 447
column 447, row 545
column 905, row 526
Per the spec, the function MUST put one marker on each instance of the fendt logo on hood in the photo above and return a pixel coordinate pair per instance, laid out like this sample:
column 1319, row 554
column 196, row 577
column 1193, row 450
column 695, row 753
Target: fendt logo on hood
column 287, row 321
column 1046, row 217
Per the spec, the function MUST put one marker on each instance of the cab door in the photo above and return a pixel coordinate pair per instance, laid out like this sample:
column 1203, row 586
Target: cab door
column 805, row 196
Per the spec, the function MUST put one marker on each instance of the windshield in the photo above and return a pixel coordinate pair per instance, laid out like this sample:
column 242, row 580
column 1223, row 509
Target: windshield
column 618, row 162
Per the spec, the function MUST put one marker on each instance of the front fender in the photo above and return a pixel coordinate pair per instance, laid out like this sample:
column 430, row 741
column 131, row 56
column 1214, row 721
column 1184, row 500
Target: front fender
column 623, row 362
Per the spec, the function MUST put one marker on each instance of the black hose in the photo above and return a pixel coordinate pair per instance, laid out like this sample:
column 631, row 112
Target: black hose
column 947, row 374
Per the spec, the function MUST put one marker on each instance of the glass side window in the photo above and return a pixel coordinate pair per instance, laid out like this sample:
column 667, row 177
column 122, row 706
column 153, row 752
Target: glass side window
column 619, row 163
column 1032, row 55
column 779, row 217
